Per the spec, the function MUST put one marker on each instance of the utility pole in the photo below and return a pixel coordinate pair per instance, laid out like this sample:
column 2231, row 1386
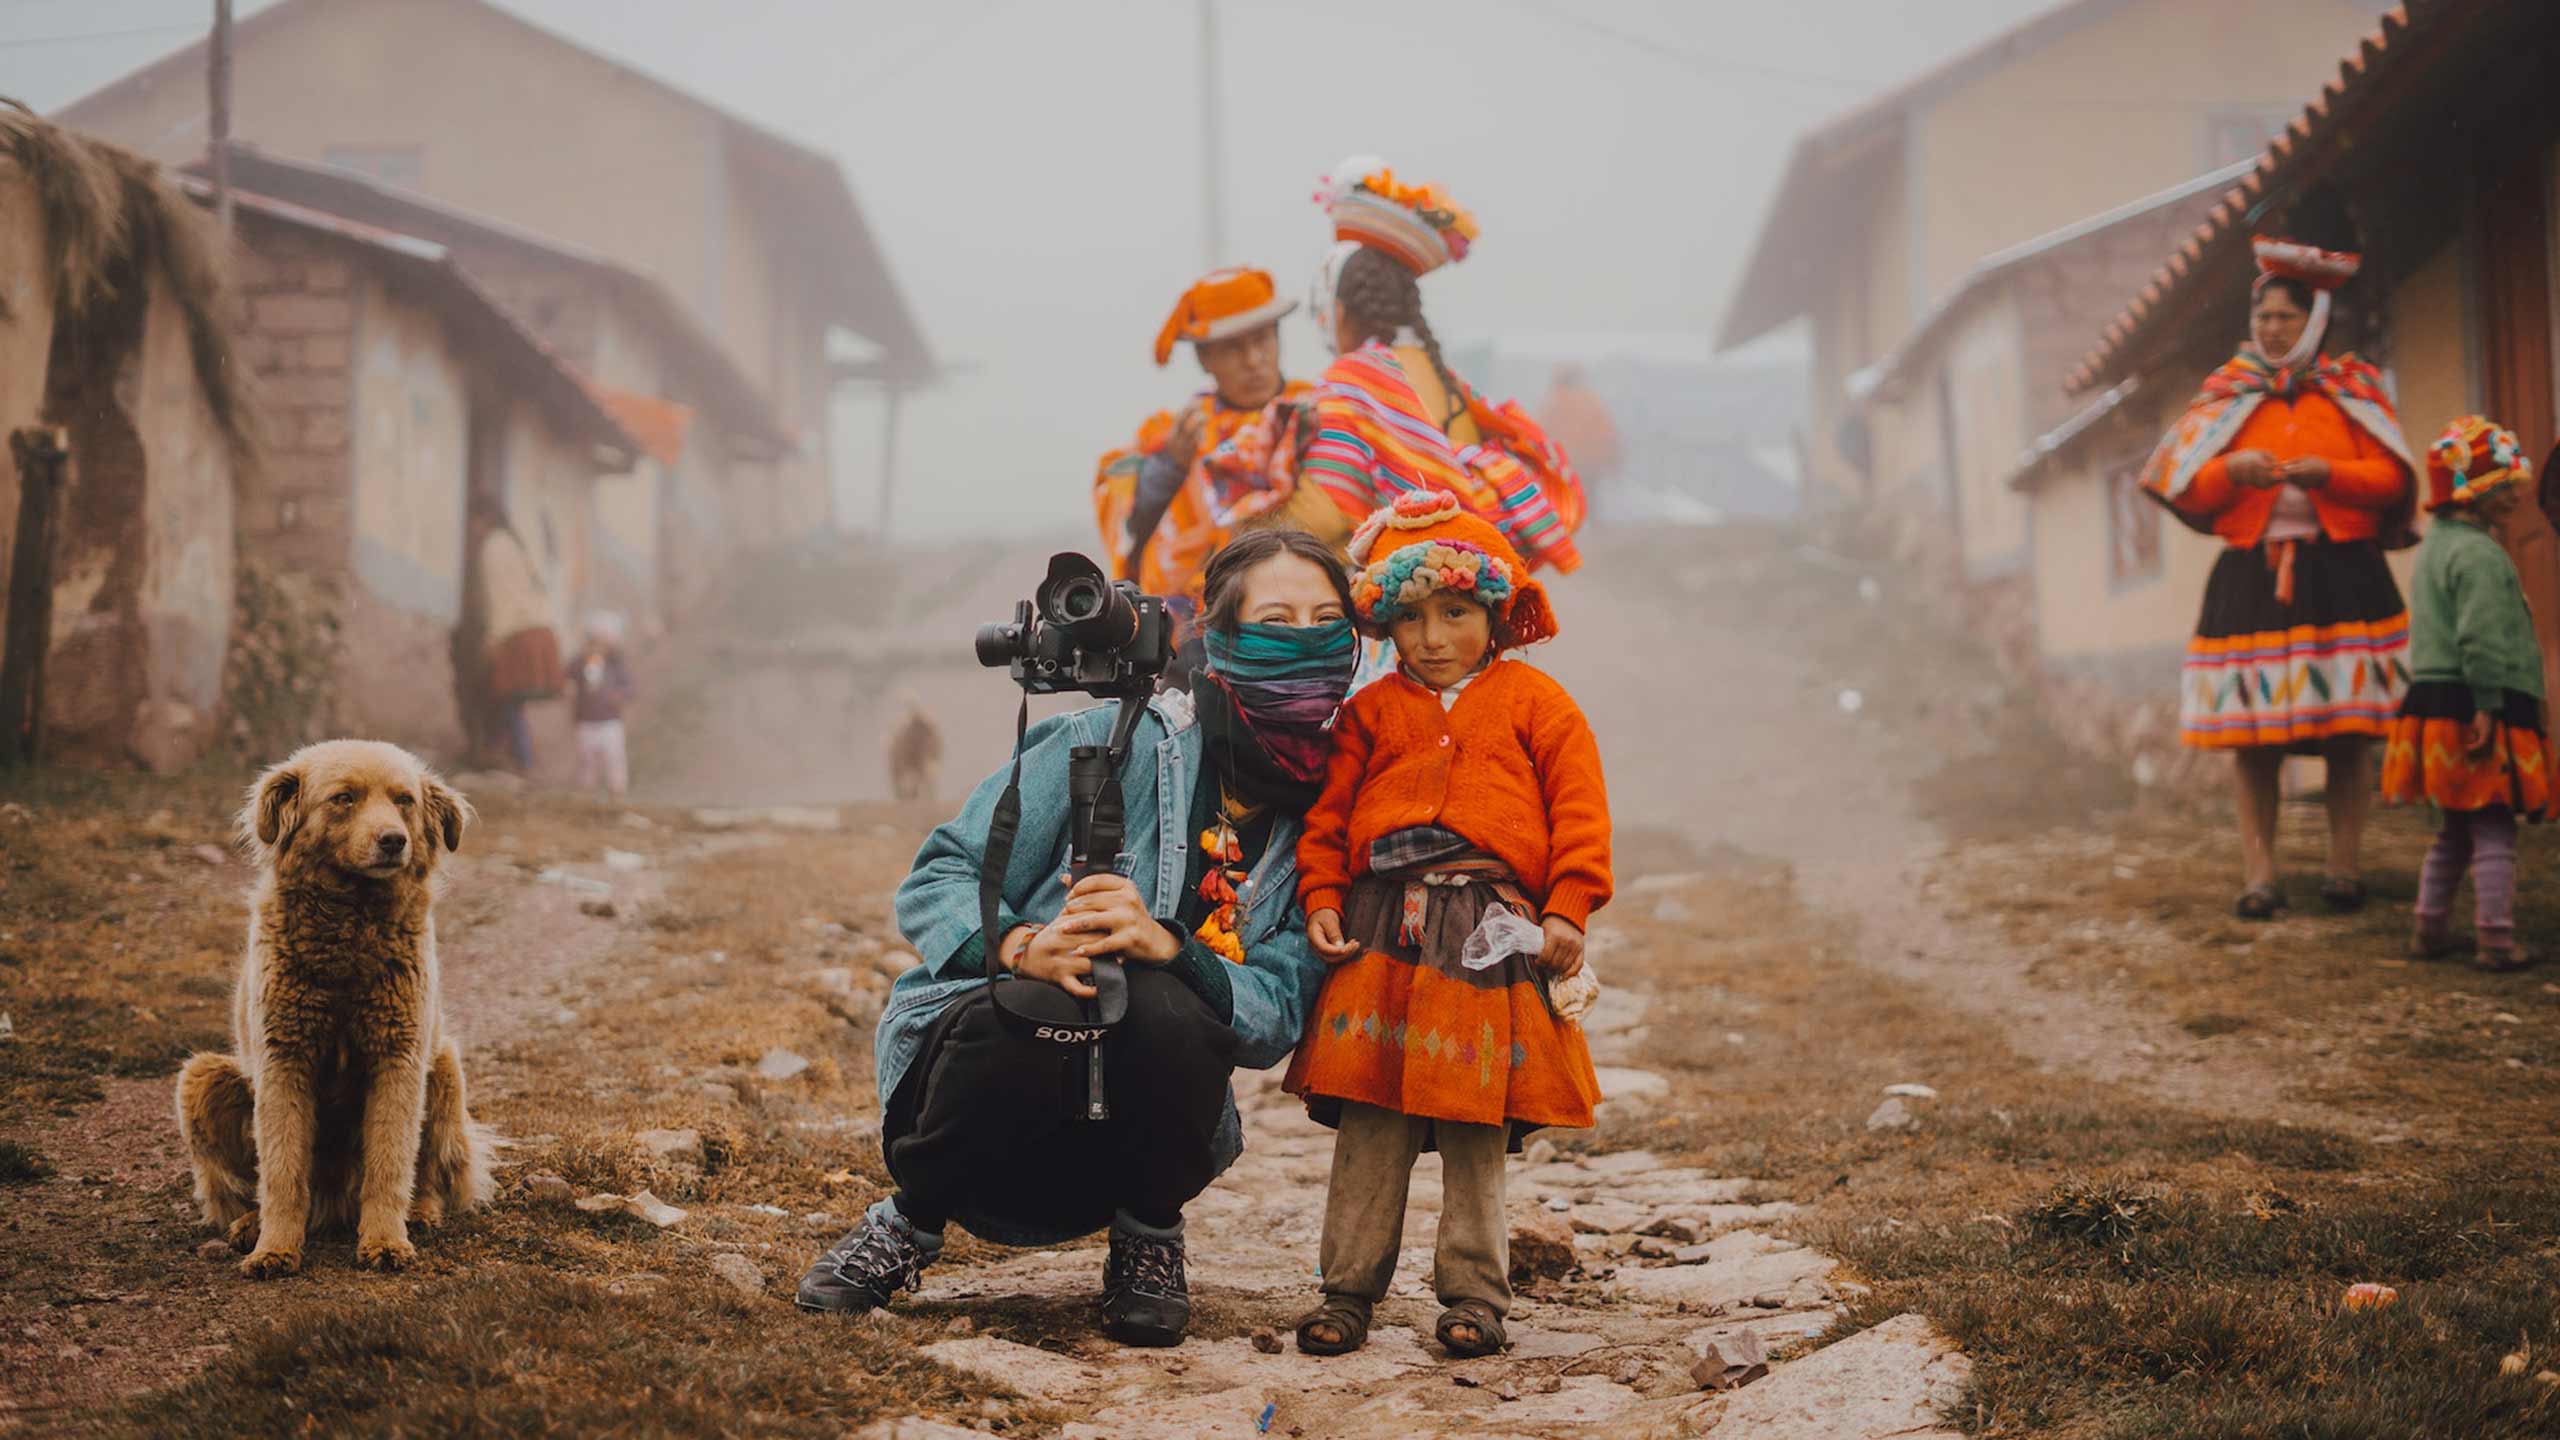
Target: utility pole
column 892, row 393
column 1213, row 143
column 219, row 53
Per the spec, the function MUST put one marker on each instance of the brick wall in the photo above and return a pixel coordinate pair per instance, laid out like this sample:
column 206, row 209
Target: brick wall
column 297, row 336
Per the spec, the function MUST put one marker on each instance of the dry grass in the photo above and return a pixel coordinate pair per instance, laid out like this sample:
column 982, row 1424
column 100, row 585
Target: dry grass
column 518, row 1318
column 2115, row 1265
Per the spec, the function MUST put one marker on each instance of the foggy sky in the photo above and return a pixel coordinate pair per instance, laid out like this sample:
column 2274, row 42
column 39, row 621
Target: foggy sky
column 1033, row 170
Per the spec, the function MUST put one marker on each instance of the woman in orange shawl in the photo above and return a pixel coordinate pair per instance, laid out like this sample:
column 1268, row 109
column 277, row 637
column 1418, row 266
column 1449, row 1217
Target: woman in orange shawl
column 2296, row 461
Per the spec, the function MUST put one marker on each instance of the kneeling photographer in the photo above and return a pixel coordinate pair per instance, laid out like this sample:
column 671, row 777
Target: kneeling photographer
column 1022, row 1100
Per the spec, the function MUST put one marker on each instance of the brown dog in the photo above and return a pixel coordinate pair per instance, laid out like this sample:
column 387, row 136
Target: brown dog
column 344, row 1099
column 915, row 753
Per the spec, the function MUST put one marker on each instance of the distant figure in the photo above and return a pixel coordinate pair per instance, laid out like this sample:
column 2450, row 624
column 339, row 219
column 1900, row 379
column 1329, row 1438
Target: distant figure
column 915, row 754
column 521, row 649
column 2470, row 737
column 1579, row 420
column 600, row 687
column 2296, row 461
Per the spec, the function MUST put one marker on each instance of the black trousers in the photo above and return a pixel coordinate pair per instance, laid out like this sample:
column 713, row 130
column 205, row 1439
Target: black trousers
column 988, row 1122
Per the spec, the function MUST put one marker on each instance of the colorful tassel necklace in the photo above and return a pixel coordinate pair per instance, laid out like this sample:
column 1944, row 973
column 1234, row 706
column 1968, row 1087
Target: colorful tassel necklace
column 1223, row 885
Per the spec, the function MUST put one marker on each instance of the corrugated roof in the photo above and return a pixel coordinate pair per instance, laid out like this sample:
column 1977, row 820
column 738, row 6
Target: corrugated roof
column 1822, row 174
column 802, row 183
column 1979, row 280
column 725, row 390
column 2219, row 248
column 549, row 380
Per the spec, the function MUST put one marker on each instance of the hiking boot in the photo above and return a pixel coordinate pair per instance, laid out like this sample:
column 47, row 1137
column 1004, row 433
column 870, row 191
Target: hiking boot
column 873, row 1261
column 1145, row 1299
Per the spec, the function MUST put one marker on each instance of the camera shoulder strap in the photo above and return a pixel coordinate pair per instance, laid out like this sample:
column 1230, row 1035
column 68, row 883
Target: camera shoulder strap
column 998, row 856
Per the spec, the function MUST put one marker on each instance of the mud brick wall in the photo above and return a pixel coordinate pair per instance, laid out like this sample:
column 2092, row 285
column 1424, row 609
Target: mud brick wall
column 297, row 335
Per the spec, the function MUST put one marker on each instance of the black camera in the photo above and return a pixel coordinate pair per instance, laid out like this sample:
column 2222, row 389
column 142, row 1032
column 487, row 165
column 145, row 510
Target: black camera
column 1081, row 631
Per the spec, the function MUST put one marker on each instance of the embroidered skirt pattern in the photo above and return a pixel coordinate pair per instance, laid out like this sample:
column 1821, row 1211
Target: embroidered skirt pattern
column 2427, row 755
column 2262, row 671
column 1406, row 1027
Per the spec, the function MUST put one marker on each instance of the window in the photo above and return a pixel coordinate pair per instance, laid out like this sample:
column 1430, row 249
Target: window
column 2133, row 524
column 2240, row 132
column 401, row 165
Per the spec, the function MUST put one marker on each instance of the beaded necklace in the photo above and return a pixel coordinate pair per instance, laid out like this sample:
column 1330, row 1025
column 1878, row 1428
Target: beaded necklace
column 1223, row 885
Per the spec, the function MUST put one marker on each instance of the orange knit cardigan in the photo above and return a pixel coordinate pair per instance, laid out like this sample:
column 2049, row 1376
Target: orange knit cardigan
column 1512, row 766
column 2365, row 480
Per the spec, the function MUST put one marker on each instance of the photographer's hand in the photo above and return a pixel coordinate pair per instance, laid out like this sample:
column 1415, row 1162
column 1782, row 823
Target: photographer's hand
column 1106, row 919
column 1049, row 955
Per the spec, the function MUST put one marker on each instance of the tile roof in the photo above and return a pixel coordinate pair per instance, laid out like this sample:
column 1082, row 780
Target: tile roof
column 2302, row 154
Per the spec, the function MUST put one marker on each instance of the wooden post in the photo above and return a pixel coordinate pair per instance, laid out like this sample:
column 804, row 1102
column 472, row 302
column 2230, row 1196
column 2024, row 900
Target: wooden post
column 893, row 392
column 219, row 80
column 39, row 454
column 1213, row 143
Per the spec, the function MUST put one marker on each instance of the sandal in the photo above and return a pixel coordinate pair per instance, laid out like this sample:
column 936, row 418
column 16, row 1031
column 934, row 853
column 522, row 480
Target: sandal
column 2260, row 902
column 1487, row 1325
column 1349, row 1317
column 2504, row 959
column 2343, row 897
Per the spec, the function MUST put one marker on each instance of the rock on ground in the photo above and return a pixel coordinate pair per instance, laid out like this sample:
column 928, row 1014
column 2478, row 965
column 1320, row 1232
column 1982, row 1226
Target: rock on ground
column 1891, row 1380
column 740, row 1273
column 1541, row 1247
column 779, row 1065
column 682, row 1147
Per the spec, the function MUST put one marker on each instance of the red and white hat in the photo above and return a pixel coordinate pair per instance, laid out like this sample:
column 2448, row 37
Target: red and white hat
column 2322, row 270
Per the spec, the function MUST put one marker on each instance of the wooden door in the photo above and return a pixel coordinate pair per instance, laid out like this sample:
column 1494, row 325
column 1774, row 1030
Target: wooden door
column 2513, row 221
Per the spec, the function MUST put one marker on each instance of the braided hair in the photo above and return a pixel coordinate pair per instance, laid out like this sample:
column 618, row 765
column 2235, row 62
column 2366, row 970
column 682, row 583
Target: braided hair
column 1381, row 297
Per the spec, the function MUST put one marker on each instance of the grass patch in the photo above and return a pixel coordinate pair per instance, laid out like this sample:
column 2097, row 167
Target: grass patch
column 21, row 1165
column 2116, row 1265
column 514, row 1350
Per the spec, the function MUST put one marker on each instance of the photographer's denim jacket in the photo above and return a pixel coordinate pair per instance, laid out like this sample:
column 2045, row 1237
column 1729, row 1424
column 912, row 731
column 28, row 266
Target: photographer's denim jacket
column 938, row 901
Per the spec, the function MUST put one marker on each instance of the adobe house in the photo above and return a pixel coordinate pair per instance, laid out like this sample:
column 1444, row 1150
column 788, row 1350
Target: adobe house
column 2439, row 170
column 758, row 237
column 710, row 442
column 393, row 388
column 112, row 327
column 2090, row 106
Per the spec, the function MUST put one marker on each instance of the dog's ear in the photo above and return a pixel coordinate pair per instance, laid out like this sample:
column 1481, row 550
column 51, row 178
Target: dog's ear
column 274, row 811
column 448, row 812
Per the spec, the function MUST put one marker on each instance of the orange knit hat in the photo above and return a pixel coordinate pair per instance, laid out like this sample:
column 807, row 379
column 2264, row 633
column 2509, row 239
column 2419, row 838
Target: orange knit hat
column 2472, row 457
column 1220, row 306
column 1427, row 542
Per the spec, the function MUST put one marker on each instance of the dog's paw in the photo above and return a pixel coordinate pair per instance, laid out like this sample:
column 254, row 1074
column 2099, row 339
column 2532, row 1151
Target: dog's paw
column 426, row 1210
column 268, row 1264
column 388, row 1252
column 243, row 1233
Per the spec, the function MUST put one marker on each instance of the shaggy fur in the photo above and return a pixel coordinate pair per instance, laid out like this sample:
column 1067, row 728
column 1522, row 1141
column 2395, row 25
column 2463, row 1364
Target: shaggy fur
column 343, row 1100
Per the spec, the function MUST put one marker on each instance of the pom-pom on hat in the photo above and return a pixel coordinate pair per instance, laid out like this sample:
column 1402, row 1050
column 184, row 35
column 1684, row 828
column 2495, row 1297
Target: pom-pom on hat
column 1418, row 224
column 1220, row 306
column 1426, row 543
column 2473, row 456
column 2292, row 260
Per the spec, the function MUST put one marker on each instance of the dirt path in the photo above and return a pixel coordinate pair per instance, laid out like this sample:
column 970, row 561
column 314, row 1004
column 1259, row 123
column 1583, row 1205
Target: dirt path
column 1608, row 1352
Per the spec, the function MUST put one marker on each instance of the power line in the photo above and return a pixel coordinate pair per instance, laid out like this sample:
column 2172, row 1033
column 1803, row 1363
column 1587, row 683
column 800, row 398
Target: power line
column 35, row 40
column 1693, row 60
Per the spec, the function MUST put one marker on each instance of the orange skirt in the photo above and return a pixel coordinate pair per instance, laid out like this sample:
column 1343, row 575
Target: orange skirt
column 1405, row 1028
column 2425, row 757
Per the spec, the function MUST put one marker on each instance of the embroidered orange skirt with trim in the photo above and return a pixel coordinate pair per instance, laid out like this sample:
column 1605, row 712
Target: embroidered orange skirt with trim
column 1406, row 1027
column 2329, row 660
column 2426, row 755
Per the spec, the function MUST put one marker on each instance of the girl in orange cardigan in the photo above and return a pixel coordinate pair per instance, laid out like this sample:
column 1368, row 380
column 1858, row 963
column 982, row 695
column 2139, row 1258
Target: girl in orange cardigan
column 1458, row 850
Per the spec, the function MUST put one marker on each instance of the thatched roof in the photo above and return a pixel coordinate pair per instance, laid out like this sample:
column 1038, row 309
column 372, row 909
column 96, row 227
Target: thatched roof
column 111, row 219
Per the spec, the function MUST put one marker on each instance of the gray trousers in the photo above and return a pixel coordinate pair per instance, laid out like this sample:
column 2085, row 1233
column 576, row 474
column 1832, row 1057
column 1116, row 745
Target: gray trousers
column 1373, row 1157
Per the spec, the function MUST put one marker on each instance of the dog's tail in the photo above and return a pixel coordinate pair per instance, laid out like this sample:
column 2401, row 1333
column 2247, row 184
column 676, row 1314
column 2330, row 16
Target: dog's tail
column 459, row 1152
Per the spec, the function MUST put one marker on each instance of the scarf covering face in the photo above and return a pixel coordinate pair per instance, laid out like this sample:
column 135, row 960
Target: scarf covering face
column 1266, row 698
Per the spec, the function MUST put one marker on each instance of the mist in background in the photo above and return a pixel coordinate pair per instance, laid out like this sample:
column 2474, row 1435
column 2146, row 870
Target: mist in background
column 1034, row 171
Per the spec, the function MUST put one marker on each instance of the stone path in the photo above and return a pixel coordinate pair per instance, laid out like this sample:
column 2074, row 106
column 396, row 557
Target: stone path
column 1605, row 1350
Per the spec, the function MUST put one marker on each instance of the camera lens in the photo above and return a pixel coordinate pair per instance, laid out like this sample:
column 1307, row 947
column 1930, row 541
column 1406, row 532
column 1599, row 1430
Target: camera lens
column 998, row 644
column 1079, row 599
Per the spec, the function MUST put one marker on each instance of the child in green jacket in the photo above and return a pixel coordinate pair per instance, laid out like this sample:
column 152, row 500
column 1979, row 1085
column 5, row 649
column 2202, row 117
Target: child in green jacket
column 2470, row 735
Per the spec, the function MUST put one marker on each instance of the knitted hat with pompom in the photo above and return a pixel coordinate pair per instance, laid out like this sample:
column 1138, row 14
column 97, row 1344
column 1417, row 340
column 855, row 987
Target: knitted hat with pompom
column 1426, row 543
column 2471, row 458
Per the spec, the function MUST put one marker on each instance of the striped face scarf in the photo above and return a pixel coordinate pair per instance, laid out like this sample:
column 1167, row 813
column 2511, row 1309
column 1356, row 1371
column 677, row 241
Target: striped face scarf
column 1265, row 699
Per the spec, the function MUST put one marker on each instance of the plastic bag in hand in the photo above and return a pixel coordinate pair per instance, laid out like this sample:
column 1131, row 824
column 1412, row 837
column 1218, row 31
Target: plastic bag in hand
column 1501, row 934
